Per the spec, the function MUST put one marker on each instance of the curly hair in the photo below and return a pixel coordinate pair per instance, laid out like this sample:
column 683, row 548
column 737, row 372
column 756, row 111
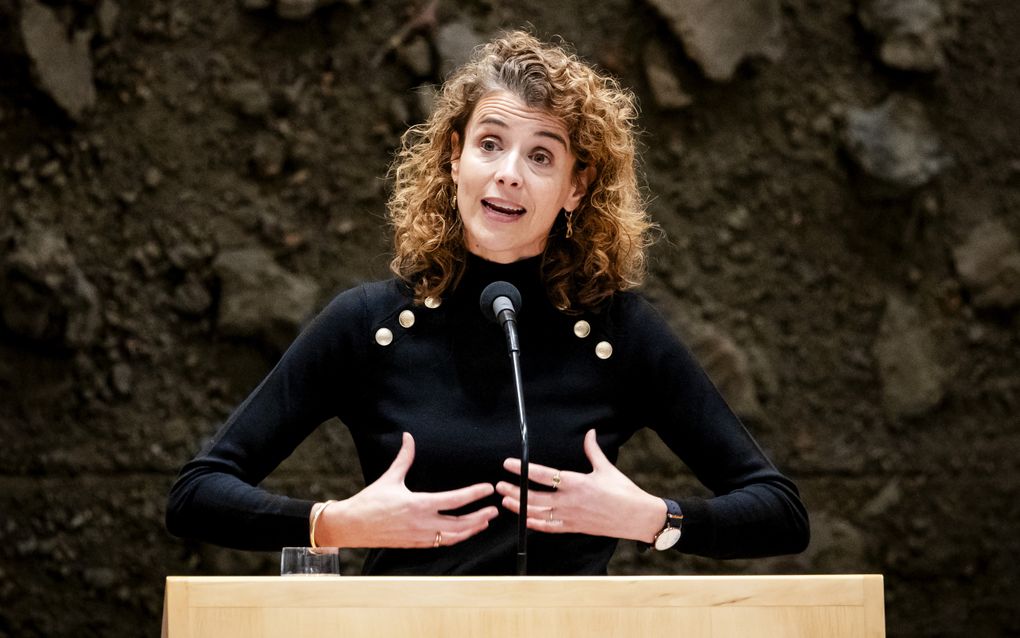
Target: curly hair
column 606, row 251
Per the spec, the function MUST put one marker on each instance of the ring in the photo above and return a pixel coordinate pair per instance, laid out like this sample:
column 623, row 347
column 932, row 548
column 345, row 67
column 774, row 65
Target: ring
column 550, row 513
column 439, row 539
column 556, row 480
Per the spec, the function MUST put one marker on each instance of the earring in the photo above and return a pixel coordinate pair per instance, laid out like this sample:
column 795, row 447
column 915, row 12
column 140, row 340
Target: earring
column 570, row 223
column 453, row 202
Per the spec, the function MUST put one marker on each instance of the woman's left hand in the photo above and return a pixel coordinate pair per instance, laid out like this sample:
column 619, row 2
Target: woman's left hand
column 603, row 502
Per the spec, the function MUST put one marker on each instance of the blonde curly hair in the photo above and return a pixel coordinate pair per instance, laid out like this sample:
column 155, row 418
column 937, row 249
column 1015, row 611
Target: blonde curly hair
column 607, row 248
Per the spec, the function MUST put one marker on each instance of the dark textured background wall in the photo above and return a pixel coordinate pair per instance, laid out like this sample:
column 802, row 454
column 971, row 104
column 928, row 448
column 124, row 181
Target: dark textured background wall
column 183, row 183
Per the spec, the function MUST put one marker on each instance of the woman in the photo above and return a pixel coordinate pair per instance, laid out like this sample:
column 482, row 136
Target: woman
column 524, row 173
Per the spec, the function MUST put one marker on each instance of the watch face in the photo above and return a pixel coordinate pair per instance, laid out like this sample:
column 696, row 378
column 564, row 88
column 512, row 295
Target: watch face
column 667, row 538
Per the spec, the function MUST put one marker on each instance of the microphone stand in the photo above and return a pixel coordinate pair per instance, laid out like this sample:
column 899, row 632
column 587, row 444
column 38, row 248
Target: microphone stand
column 499, row 302
column 513, row 345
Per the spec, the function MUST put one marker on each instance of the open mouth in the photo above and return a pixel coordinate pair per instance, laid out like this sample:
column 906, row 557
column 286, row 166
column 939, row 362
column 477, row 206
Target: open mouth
column 503, row 210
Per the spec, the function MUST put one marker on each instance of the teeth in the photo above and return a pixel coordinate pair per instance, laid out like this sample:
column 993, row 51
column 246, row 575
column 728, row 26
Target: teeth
column 502, row 209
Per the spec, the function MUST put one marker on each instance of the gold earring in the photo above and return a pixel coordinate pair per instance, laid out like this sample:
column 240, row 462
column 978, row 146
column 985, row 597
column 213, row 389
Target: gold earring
column 570, row 223
column 453, row 202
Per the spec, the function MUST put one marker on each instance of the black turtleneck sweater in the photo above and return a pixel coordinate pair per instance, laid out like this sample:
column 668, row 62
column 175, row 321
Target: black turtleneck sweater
column 446, row 379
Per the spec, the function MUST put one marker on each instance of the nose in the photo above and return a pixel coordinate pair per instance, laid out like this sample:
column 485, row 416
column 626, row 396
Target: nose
column 508, row 172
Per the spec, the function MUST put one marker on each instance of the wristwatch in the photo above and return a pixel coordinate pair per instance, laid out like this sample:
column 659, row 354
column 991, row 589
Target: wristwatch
column 671, row 530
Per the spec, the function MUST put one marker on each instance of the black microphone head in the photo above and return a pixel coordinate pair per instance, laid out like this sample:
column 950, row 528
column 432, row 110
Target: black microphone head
column 494, row 291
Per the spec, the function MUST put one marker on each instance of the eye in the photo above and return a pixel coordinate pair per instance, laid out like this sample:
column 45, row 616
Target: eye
column 542, row 158
column 488, row 144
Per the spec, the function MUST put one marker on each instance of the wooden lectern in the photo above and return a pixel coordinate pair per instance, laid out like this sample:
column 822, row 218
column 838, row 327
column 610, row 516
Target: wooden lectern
column 558, row 607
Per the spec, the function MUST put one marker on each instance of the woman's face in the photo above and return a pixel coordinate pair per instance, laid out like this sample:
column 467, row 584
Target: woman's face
column 514, row 172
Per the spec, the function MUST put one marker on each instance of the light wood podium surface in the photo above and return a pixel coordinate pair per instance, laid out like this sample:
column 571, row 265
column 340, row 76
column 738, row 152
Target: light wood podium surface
column 829, row 606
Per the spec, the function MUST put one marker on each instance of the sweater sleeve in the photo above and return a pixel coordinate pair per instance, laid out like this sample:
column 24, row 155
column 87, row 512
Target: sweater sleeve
column 216, row 497
column 755, row 511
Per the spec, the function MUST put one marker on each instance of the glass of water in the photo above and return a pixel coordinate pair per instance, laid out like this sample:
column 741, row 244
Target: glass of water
column 309, row 561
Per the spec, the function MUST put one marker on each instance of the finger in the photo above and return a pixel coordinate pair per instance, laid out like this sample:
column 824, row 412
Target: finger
column 541, row 474
column 454, row 537
column 504, row 488
column 402, row 462
column 535, row 510
column 512, row 504
column 594, row 453
column 541, row 519
column 459, row 498
column 468, row 521
column 541, row 499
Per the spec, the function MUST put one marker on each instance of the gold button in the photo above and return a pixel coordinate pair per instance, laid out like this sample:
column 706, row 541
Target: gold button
column 582, row 329
column 383, row 336
column 406, row 319
column 604, row 350
column 432, row 302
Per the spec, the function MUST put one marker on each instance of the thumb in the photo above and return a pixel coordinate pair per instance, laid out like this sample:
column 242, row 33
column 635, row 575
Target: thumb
column 402, row 462
column 594, row 452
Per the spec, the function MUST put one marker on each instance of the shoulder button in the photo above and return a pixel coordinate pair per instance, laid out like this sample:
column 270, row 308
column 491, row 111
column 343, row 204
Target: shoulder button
column 582, row 329
column 384, row 336
column 406, row 319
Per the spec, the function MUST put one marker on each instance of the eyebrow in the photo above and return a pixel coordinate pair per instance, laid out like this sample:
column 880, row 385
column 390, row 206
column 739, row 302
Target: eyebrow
column 498, row 122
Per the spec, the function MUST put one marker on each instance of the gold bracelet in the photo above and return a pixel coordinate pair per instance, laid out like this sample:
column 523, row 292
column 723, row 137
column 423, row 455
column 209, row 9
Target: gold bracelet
column 315, row 521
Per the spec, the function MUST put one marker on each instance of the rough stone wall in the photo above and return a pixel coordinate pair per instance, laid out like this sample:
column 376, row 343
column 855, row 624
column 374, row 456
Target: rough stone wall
column 182, row 183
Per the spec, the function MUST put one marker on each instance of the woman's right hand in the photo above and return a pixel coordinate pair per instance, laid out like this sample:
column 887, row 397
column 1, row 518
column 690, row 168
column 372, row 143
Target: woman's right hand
column 387, row 514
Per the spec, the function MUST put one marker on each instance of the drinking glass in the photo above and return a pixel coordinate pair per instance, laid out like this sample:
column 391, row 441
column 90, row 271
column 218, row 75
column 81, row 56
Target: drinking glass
column 309, row 561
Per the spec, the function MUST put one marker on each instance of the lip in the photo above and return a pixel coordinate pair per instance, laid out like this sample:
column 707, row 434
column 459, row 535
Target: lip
column 500, row 209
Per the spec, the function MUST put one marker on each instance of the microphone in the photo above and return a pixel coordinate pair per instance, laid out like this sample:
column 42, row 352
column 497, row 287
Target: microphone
column 500, row 302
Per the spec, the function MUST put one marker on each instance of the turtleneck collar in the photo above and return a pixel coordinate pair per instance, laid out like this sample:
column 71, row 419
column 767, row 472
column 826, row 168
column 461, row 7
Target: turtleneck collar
column 523, row 270
column 525, row 274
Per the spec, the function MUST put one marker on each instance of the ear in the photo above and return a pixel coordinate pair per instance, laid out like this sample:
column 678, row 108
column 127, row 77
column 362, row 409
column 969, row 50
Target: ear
column 454, row 155
column 582, row 180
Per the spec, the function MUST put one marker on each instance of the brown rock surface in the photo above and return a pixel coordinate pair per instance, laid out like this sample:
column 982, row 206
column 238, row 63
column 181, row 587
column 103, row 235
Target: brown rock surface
column 913, row 380
column 720, row 34
column 767, row 239
column 911, row 33
column 895, row 143
column 989, row 265
column 260, row 299
column 46, row 297
column 62, row 62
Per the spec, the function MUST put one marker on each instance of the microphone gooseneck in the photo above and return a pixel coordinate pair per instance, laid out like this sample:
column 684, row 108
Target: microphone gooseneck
column 500, row 302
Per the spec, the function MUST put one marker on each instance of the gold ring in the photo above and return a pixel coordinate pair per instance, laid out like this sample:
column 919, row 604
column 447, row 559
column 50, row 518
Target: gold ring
column 556, row 480
column 439, row 539
column 550, row 513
